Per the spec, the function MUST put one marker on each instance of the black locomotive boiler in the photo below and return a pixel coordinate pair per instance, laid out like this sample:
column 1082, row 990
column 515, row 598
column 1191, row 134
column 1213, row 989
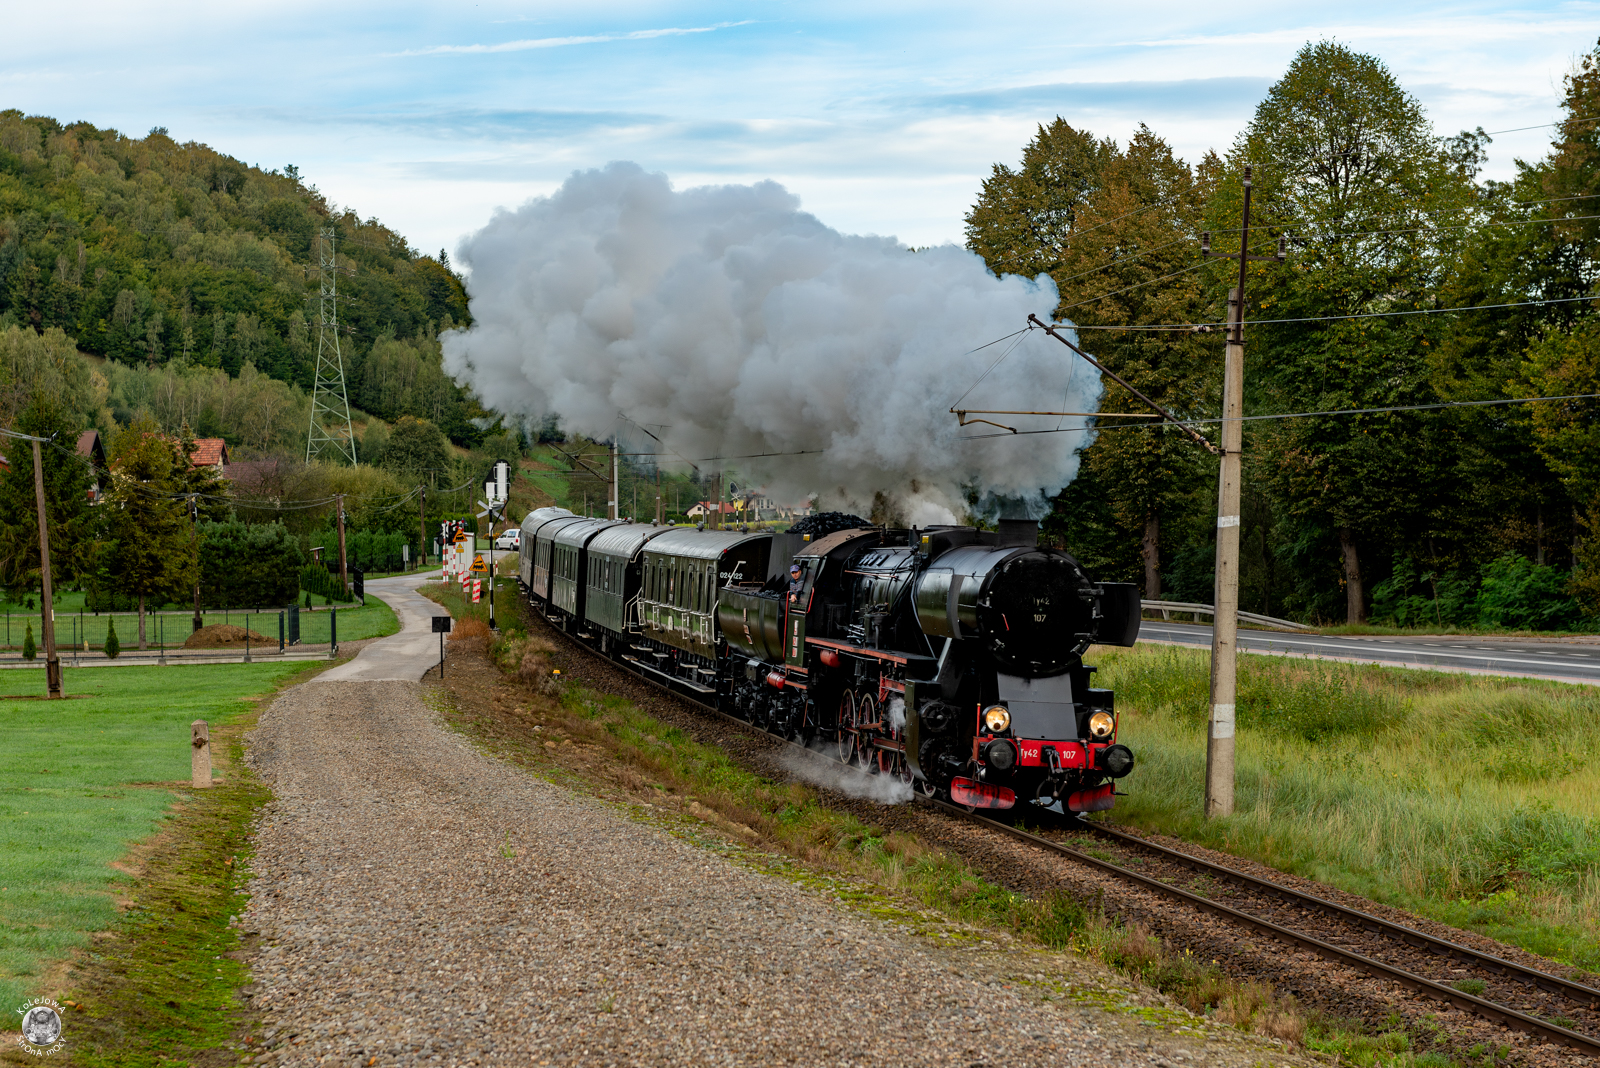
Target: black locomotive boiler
column 948, row 657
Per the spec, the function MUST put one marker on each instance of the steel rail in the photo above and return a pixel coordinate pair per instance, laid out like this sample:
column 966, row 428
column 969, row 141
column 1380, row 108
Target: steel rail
column 1552, row 984
column 1506, row 1017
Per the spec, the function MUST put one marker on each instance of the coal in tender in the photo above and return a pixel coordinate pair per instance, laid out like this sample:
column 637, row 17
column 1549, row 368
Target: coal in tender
column 824, row 523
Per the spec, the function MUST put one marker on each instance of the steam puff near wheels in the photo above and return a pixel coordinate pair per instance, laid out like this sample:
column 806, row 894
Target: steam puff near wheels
column 743, row 325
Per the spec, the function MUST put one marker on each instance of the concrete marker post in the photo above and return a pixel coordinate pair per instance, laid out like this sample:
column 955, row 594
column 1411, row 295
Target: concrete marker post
column 200, row 757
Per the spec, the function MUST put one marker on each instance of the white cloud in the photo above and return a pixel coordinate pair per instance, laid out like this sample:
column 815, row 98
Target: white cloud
column 562, row 42
column 883, row 118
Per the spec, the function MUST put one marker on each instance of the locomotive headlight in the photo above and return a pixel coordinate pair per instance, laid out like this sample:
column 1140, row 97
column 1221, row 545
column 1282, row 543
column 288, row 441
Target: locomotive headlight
column 996, row 718
column 1101, row 724
column 1000, row 755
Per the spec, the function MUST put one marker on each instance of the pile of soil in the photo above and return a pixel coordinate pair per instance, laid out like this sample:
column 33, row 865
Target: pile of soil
column 223, row 634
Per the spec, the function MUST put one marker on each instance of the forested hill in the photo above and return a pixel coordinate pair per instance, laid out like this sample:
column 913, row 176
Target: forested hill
column 147, row 251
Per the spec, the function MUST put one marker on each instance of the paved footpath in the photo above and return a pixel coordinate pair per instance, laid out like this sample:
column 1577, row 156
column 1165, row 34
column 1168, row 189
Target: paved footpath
column 397, row 932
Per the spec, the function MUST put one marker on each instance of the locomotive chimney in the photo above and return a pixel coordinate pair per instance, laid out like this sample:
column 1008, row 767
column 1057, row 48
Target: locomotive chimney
column 1017, row 532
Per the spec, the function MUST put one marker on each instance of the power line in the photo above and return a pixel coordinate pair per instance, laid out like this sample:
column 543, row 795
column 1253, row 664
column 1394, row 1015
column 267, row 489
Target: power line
column 998, row 360
column 1196, row 327
column 1300, row 415
column 1542, row 125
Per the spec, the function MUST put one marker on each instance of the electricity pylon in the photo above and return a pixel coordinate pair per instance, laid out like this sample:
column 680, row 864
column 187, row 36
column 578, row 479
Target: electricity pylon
column 330, row 405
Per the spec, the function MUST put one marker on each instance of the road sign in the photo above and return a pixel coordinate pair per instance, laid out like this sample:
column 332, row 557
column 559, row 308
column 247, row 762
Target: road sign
column 462, row 537
column 479, row 566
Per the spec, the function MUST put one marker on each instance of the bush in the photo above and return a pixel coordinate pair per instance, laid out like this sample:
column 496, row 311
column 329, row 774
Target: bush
column 370, row 550
column 1511, row 592
column 248, row 564
column 1519, row 593
column 98, row 598
column 29, row 650
column 314, row 578
column 113, row 647
column 1411, row 597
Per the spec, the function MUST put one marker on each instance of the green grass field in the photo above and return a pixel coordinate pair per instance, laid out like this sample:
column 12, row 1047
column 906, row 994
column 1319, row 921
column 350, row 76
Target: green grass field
column 374, row 620
column 82, row 781
column 1469, row 799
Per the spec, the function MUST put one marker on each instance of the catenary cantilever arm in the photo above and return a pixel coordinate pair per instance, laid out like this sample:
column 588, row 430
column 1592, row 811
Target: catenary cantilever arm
column 1166, row 416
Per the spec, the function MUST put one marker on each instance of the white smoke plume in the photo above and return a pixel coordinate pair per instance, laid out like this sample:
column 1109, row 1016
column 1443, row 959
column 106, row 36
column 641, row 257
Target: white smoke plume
column 732, row 324
column 846, row 779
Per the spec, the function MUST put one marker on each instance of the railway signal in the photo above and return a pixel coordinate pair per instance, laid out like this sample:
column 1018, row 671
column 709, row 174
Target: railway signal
column 493, row 509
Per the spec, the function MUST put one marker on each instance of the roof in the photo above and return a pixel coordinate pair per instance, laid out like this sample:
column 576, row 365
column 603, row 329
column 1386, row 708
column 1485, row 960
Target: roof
column 700, row 544
column 88, row 442
column 624, row 540
column 540, row 516
column 579, row 533
column 209, row 452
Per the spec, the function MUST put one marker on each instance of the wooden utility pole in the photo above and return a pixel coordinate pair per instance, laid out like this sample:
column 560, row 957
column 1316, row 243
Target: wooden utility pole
column 659, row 517
column 52, row 662
column 613, row 507
column 1225, row 624
column 343, row 570
column 422, row 515
column 194, row 548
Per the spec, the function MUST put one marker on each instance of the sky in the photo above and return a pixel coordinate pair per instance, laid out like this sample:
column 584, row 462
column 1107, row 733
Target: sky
column 884, row 117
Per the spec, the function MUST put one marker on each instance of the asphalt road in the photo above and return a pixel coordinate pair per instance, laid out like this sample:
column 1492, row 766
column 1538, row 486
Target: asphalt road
column 400, row 657
column 1564, row 661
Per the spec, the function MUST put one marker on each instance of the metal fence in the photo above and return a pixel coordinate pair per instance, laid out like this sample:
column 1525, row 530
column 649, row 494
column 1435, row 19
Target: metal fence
column 86, row 632
column 1167, row 608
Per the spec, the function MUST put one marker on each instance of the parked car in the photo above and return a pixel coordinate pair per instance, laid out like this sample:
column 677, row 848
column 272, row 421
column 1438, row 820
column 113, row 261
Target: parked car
column 510, row 540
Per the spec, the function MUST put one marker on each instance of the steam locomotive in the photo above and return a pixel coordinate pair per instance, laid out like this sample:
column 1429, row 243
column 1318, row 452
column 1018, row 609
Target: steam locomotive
column 949, row 657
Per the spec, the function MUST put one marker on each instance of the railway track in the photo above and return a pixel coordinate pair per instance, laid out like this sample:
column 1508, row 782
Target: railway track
column 1512, row 1019
column 1504, row 1015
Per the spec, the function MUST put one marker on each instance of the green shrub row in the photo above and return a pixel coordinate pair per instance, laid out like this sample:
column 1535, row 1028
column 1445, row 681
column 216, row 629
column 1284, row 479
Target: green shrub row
column 1511, row 592
column 318, row 580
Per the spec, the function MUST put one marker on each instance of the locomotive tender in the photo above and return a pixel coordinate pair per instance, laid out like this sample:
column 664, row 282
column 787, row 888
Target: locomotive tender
column 949, row 657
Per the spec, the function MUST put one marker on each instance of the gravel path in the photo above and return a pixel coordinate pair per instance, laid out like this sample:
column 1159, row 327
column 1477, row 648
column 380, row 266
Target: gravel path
column 396, row 930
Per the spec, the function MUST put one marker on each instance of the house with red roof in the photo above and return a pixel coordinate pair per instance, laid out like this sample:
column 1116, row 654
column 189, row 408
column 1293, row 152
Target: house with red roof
column 210, row 452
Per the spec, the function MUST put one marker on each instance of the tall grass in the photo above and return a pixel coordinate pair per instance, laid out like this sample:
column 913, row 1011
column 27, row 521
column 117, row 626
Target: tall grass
column 1473, row 800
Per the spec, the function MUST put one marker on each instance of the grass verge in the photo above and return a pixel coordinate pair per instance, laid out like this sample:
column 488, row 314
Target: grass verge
column 1472, row 800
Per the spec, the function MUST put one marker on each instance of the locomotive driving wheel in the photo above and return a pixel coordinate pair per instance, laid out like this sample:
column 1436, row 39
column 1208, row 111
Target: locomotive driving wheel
column 847, row 727
column 867, row 754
